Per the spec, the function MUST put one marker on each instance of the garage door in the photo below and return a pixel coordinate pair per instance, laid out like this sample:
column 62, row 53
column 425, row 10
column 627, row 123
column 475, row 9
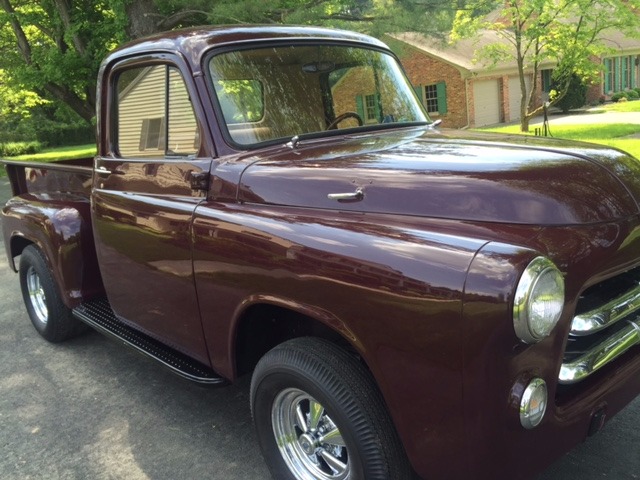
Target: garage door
column 486, row 102
column 514, row 95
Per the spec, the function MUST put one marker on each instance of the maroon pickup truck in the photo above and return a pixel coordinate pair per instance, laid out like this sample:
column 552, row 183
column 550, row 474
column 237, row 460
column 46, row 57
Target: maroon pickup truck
column 274, row 201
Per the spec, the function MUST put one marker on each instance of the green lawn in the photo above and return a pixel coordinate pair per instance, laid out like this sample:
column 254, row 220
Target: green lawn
column 632, row 106
column 60, row 153
column 53, row 154
column 607, row 134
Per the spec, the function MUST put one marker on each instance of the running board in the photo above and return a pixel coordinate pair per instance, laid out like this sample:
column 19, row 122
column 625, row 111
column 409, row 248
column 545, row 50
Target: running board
column 98, row 315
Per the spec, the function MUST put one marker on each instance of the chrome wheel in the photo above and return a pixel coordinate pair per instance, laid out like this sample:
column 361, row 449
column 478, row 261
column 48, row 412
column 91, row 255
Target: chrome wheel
column 309, row 441
column 37, row 296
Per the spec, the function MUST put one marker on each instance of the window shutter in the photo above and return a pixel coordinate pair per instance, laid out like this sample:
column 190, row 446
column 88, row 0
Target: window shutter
column 441, row 91
column 162, row 137
column 360, row 107
column 607, row 73
column 379, row 107
column 418, row 90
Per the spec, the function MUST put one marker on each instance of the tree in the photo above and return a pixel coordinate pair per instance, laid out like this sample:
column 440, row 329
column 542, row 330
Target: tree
column 375, row 17
column 570, row 33
column 54, row 47
column 60, row 43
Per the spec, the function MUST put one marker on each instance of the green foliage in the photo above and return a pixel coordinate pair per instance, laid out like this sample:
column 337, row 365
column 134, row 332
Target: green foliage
column 11, row 149
column 616, row 97
column 375, row 17
column 633, row 95
column 576, row 95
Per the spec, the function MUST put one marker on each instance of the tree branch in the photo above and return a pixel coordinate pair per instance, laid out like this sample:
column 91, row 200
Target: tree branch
column 23, row 43
column 177, row 18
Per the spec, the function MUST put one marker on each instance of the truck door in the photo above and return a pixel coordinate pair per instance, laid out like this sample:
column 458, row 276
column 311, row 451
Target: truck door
column 148, row 180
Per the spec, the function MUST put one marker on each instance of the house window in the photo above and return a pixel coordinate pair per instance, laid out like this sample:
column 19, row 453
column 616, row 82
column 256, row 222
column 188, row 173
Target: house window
column 619, row 73
column 433, row 97
column 546, row 80
column 152, row 135
column 371, row 110
column 155, row 117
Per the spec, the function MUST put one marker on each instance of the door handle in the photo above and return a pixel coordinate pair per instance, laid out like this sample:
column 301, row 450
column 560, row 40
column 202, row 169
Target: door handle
column 104, row 171
column 347, row 197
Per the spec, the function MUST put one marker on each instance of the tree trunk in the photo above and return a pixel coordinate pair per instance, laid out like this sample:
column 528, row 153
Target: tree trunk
column 82, row 107
column 143, row 16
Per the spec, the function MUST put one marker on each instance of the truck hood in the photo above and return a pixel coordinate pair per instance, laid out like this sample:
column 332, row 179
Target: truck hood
column 450, row 174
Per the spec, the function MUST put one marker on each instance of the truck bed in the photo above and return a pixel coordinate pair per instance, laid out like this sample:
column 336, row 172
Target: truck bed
column 63, row 176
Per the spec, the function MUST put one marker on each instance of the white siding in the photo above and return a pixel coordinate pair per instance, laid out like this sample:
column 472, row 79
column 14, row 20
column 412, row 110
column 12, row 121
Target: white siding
column 142, row 101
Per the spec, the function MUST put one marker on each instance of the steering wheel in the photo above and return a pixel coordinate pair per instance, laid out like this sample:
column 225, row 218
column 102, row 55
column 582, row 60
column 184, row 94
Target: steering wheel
column 333, row 125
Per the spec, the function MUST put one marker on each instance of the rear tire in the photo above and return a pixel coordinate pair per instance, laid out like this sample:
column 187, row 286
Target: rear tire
column 319, row 415
column 48, row 313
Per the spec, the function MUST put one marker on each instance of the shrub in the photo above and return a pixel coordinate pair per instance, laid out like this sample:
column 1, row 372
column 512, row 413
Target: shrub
column 11, row 149
column 616, row 97
column 575, row 97
column 602, row 99
column 633, row 95
column 637, row 90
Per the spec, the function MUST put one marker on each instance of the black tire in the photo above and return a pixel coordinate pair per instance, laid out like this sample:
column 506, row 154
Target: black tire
column 307, row 374
column 48, row 313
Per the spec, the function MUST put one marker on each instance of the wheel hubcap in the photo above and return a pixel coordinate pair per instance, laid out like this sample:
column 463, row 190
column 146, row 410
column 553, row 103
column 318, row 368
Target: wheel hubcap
column 37, row 296
column 309, row 441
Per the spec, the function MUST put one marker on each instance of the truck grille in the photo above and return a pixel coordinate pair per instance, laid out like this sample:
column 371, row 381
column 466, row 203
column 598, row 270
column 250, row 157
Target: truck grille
column 606, row 325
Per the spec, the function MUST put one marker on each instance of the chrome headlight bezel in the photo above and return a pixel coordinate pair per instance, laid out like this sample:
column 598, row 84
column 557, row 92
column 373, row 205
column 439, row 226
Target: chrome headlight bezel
column 540, row 277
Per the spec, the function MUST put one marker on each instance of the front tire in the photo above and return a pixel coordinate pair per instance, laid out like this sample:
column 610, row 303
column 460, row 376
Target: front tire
column 319, row 416
column 48, row 313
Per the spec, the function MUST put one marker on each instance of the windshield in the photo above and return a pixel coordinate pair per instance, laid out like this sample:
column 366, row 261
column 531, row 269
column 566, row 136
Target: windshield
column 280, row 92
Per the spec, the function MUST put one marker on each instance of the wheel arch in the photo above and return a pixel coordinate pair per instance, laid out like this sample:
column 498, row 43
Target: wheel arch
column 265, row 322
column 17, row 244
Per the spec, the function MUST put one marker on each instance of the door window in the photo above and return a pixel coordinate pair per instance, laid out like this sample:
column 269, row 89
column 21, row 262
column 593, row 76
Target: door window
column 155, row 115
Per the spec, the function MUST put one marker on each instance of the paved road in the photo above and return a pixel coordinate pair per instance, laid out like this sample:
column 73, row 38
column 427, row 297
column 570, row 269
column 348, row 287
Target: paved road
column 93, row 409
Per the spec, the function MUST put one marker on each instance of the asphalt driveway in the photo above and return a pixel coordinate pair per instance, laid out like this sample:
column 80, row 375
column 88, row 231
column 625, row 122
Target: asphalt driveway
column 92, row 409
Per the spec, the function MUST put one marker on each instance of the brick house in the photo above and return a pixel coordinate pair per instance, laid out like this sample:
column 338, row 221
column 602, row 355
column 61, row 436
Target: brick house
column 467, row 93
column 455, row 88
column 620, row 67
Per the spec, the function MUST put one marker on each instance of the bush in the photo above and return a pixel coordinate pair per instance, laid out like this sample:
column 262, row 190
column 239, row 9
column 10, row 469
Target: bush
column 633, row 95
column 616, row 97
column 56, row 135
column 575, row 97
column 11, row 149
column 602, row 99
column 637, row 90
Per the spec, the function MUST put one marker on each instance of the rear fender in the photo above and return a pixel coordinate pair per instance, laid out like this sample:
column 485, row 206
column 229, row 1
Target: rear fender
column 61, row 228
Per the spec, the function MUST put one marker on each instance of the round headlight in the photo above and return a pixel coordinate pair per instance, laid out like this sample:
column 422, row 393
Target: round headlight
column 533, row 403
column 538, row 301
